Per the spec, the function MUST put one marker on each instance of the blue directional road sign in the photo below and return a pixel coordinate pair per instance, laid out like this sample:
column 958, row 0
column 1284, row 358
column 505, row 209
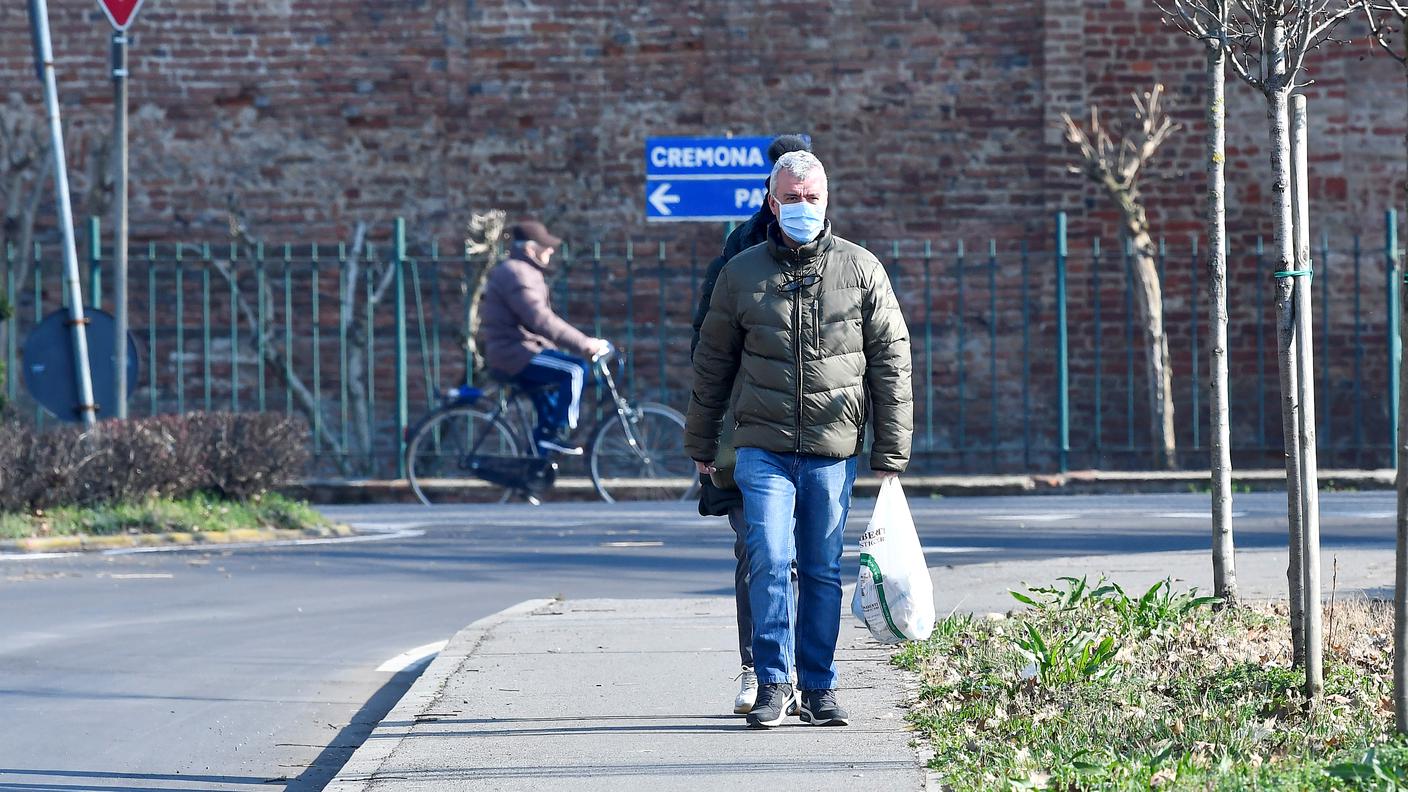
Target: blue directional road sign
column 710, row 179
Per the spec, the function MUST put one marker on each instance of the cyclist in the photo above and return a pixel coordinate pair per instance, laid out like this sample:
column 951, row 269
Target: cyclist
column 526, row 343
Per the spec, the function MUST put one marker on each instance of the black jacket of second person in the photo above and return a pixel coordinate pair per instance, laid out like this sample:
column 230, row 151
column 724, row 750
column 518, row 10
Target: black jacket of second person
column 715, row 501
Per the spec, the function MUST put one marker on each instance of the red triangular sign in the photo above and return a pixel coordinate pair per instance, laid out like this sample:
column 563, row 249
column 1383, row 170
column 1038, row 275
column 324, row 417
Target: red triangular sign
column 120, row 12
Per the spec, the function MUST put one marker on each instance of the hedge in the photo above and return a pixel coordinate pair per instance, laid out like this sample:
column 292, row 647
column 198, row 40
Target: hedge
column 231, row 455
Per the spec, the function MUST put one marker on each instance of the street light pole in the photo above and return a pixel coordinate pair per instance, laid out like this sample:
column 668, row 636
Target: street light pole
column 119, row 133
column 44, row 63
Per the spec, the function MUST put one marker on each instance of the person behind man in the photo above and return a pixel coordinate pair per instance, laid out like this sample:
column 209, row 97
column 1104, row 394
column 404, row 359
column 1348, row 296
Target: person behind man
column 524, row 340
column 810, row 323
column 718, row 495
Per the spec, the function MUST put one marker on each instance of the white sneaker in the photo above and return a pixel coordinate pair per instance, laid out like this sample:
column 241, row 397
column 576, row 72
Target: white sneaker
column 747, row 692
column 560, row 448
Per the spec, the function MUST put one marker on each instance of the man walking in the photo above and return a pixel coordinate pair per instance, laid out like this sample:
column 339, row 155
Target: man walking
column 718, row 494
column 810, row 324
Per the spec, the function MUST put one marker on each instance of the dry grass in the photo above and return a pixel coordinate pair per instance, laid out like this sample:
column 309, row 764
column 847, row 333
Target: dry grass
column 1182, row 698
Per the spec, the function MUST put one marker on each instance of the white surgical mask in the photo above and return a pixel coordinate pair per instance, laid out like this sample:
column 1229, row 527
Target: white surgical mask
column 803, row 221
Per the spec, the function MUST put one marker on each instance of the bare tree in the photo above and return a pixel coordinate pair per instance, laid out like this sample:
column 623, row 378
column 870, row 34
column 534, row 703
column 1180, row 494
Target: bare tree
column 363, row 286
column 483, row 242
column 1269, row 42
column 1117, row 169
column 25, row 169
column 1389, row 21
column 1206, row 21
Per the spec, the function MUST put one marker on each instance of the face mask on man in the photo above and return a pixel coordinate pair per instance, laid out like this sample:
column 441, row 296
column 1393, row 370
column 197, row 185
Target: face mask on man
column 803, row 221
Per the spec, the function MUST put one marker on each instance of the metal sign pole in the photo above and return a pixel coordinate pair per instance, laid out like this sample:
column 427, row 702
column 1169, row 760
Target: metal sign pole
column 119, row 133
column 44, row 63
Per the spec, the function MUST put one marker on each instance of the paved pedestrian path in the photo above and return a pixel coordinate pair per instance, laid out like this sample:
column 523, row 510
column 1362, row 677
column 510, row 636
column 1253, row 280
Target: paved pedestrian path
column 625, row 695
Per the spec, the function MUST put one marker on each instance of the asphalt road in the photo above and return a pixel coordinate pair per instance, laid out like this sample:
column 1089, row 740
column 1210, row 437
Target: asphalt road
column 265, row 667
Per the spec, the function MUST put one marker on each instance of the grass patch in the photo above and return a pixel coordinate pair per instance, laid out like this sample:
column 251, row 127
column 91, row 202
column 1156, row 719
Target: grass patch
column 193, row 514
column 1092, row 688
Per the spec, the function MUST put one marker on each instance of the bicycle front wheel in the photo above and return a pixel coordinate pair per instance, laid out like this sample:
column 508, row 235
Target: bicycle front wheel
column 438, row 454
column 640, row 456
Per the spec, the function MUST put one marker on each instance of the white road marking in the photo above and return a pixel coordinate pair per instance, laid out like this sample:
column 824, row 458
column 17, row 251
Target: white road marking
column 1379, row 515
column 1024, row 518
column 631, row 544
column 1202, row 515
column 412, row 657
column 376, row 536
column 144, row 576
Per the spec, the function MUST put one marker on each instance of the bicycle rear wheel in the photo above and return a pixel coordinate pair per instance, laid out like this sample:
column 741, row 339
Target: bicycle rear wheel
column 641, row 456
column 437, row 456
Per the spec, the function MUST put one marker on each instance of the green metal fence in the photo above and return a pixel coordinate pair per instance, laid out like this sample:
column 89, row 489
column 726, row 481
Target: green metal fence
column 1027, row 355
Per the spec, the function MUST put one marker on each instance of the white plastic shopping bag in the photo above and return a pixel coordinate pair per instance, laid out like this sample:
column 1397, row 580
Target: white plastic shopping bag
column 894, row 595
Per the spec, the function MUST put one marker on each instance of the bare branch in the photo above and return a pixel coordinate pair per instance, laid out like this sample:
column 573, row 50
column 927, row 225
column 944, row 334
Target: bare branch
column 273, row 354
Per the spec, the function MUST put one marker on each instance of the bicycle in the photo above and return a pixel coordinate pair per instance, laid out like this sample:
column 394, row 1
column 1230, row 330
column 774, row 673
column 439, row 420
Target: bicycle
column 633, row 449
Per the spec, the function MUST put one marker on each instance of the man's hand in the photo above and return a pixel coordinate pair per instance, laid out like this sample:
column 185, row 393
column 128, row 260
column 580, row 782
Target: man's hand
column 598, row 347
column 886, row 474
column 705, row 468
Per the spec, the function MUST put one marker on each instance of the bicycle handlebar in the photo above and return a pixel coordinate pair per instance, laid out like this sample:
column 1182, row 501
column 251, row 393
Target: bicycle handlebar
column 610, row 352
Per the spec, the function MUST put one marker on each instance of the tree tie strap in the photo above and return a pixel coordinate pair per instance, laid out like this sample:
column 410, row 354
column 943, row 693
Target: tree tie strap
column 1294, row 273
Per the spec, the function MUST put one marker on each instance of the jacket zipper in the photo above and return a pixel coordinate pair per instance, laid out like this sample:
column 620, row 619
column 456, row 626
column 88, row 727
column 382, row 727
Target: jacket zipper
column 797, row 348
column 816, row 324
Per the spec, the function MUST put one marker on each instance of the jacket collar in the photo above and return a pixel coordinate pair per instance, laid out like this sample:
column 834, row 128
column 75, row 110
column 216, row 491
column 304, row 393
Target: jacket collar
column 806, row 255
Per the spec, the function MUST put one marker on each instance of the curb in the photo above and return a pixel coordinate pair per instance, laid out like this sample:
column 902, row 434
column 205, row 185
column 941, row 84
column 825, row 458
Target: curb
column 361, row 768
column 70, row 544
column 1079, row 482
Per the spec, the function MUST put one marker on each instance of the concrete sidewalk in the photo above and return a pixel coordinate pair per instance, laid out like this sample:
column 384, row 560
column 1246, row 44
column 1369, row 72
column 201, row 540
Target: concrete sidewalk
column 634, row 694
column 625, row 694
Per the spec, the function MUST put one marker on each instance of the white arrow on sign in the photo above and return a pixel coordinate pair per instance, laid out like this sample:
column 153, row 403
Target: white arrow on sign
column 661, row 199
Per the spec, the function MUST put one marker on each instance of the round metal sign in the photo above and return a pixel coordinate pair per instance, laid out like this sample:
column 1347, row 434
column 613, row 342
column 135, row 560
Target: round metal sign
column 48, row 364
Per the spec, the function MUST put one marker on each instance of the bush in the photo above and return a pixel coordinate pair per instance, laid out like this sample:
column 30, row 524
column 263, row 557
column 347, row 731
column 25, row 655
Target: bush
column 232, row 455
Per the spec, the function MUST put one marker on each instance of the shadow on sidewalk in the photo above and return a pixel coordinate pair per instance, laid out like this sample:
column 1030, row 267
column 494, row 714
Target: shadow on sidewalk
column 340, row 749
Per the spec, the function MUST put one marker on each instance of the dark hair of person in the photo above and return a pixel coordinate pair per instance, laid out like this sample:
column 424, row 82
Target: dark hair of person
column 785, row 144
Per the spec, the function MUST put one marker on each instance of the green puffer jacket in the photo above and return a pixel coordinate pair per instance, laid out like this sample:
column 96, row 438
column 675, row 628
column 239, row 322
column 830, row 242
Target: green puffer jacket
column 815, row 362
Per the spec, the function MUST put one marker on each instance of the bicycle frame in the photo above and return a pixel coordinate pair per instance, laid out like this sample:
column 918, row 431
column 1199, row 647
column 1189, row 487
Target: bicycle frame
column 523, row 428
column 622, row 406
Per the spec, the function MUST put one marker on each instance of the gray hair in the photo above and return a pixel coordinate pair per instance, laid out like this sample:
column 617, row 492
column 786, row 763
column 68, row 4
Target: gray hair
column 798, row 163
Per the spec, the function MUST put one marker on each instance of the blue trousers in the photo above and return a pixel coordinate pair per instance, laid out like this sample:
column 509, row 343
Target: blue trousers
column 816, row 493
column 559, row 404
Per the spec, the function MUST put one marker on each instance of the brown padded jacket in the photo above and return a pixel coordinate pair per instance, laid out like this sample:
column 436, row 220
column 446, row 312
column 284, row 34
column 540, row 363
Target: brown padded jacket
column 517, row 320
column 815, row 361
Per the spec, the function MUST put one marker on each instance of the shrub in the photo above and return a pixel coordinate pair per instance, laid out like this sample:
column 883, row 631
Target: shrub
column 232, row 455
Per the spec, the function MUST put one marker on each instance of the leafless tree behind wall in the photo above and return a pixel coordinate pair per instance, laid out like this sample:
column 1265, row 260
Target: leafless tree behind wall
column 1117, row 168
column 1206, row 21
column 363, row 285
column 26, row 183
column 483, row 246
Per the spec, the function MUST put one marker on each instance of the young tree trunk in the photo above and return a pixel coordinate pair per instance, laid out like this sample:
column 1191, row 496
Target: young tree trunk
column 1278, row 118
column 473, row 290
column 1224, row 570
column 1305, row 354
column 1400, row 576
column 1148, row 299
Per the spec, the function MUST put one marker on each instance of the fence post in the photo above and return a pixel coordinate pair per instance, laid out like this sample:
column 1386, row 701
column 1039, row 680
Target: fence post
column 401, row 411
column 1395, row 350
column 1063, row 383
column 95, row 262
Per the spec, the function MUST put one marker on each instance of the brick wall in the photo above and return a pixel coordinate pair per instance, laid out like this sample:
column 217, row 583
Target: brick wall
column 936, row 119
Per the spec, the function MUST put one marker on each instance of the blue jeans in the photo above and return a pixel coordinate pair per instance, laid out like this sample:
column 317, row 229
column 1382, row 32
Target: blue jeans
column 816, row 492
